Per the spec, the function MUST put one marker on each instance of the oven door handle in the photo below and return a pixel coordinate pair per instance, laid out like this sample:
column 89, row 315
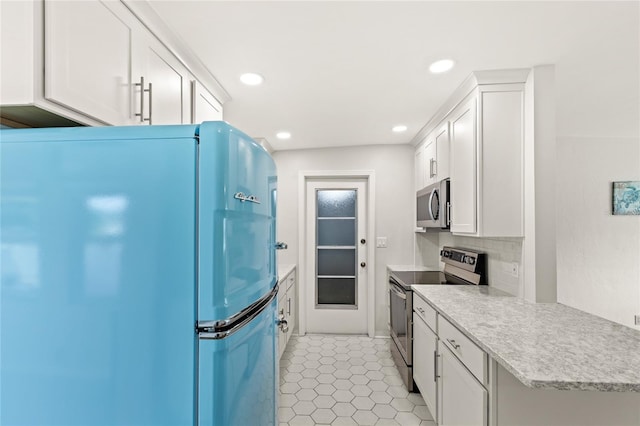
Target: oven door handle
column 398, row 293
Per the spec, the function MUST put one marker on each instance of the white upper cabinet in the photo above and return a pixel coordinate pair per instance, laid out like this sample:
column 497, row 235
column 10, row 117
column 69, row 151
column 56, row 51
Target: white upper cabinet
column 442, row 142
column 204, row 107
column 92, row 62
column 487, row 163
column 479, row 145
column 419, row 167
column 463, row 168
column 161, row 85
column 430, row 161
column 432, row 157
column 501, row 146
column 88, row 59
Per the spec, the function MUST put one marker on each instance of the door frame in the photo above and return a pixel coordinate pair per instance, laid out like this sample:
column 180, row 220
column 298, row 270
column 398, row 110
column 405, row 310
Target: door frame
column 303, row 177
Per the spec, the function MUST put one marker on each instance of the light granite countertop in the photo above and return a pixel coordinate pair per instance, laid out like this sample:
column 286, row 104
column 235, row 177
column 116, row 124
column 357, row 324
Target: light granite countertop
column 544, row 345
column 284, row 270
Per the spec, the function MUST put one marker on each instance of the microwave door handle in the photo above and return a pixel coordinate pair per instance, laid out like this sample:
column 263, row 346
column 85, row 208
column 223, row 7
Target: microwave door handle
column 433, row 192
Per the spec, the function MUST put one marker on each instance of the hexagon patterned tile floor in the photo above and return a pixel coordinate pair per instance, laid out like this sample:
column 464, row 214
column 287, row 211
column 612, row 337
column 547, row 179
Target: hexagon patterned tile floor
column 345, row 380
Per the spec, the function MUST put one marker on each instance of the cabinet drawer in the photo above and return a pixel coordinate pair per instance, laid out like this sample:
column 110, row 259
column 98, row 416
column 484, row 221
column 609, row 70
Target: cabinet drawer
column 474, row 358
column 425, row 311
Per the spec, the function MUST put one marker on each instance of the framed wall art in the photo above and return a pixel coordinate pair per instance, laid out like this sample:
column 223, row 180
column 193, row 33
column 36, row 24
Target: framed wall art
column 626, row 198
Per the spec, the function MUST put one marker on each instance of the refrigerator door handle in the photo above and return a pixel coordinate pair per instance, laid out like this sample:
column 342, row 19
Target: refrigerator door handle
column 224, row 328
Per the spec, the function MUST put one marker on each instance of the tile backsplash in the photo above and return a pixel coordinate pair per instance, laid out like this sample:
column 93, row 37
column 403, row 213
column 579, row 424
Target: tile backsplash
column 502, row 255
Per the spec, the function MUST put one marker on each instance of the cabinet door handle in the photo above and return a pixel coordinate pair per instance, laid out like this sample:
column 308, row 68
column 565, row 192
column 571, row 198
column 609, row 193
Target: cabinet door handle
column 150, row 119
column 420, row 310
column 453, row 343
column 435, row 366
column 289, row 306
column 433, row 166
column 142, row 91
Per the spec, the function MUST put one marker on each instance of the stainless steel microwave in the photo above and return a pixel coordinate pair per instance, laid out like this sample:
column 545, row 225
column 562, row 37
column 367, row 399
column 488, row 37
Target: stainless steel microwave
column 433, row 206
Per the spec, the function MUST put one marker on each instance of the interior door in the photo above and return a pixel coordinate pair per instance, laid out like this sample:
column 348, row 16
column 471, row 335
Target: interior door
column 336, row 281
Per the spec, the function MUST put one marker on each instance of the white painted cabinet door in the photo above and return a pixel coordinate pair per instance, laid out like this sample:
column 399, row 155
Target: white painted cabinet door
column 463, row 400
column 430, row 162
column 502, row 208
column 419, row 168
column 464, row 168
column 88, row 59
column 204, row 107
column 424, row 362
column 166, row 95
column 290, row 308
column 282, row 307
column 442, row 152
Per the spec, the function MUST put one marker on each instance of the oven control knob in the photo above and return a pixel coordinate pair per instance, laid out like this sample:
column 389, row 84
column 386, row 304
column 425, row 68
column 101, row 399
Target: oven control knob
column 445, row 253
column 469, row 260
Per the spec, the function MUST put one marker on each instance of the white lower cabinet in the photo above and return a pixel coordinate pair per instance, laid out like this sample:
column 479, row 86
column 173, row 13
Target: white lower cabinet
column 290, row 308
column 282, row 336
column 449, row 369
column 287, row 308
column 473, row 389
column 424, row 367
column 463, row 400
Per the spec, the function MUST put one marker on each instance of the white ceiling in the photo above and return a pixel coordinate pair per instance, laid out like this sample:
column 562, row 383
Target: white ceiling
column 343, row 73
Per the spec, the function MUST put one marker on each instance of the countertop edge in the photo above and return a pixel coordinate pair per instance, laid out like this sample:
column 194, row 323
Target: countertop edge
column 529, row 382
column 284, row 270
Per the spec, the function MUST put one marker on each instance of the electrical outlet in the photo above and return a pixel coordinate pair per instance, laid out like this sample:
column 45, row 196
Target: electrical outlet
column 381, row 242
column 637, row 319
column 513, row 269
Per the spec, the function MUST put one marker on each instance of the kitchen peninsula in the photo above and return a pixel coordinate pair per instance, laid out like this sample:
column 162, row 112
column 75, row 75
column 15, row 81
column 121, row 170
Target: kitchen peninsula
column 544, row 363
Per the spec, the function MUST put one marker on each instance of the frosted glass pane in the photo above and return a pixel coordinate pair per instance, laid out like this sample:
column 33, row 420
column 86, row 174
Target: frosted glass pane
column 337, row 203
column 337, row 232
column 337, row 262
column 336, row 291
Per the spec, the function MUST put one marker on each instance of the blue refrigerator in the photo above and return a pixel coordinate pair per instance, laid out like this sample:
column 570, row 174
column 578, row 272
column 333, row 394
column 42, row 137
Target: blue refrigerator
column 138, row 277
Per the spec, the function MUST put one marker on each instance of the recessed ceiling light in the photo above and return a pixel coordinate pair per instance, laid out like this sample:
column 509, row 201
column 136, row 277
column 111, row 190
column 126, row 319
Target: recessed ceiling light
column 251, row 79
column 399, row 128
column 442, row 65
column 283, row 135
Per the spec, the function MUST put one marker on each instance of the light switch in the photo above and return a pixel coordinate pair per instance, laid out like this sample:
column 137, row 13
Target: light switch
column 381, row 242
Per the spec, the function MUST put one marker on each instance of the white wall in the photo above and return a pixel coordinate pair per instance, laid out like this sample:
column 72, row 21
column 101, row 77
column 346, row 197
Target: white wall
column 598, row 253
column 394, row 193
column 598, row 142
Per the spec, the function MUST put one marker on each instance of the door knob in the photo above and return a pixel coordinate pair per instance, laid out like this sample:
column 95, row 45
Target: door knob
column 363, row 264
column 362, row 241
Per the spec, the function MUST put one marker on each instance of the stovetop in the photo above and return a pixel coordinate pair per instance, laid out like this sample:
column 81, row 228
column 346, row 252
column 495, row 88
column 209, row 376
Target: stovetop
column 408, row 278
column 461, row 266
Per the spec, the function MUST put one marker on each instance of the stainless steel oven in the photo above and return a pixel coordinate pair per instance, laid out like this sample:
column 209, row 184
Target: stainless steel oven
column 461, row 267
column 400, row 307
